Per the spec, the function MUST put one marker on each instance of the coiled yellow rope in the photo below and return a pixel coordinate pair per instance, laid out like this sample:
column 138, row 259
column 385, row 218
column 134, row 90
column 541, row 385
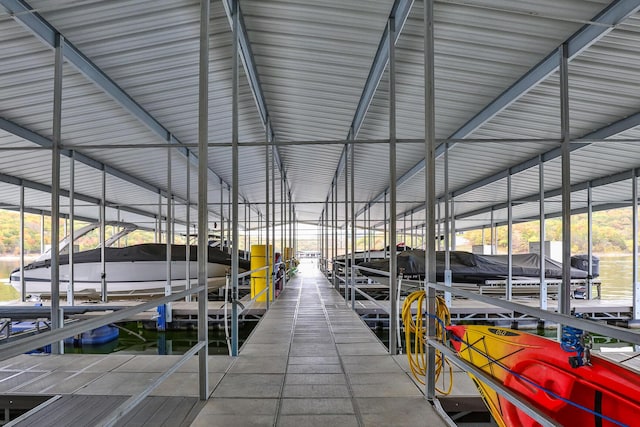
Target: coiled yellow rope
column 416, row 335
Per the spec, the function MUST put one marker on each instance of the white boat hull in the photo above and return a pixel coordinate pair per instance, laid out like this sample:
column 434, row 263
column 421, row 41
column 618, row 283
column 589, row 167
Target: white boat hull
column 132, row 278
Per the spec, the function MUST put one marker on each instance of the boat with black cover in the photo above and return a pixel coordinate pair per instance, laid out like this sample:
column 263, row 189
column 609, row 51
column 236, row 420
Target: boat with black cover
column 135, row 270
column 467, row 267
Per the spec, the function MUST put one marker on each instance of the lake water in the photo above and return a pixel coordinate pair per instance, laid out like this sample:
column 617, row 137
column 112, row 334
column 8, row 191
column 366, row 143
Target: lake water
column 142, row 340
column 615, row 273
column 7, row 292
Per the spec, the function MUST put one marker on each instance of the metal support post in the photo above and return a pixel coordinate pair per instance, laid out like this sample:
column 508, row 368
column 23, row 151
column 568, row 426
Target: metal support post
column 268, row 251
column 291, row 221
column 590, row 242
column 282, row 242
column 160, row 217
column 235, row 181
column 329, row 231
column 327, row 248
column 353, row 228
column 543, row 280
column 56, row 319
column 187, row 237
column 430, row 192
column 166, row 313
column 41, row 232
column 273, row 202
column 323, row 240
column 453, row 223
column 494, row 235
column 564, row 304
column 203, row 211
column 438, row 222
column 636, row 285
column 222, row 227
column 369, row 234
column 72, row 234
column 347, row 258
column 385, row 224
column 336, row 283
column 103, row 214
column 411, row 244
column 509, row 289
column 229, row 208
column 447, row 230
column 23, row 288
column 393, row 260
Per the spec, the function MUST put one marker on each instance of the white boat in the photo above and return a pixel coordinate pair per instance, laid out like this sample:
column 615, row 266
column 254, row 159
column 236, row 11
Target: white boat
column 136, row 270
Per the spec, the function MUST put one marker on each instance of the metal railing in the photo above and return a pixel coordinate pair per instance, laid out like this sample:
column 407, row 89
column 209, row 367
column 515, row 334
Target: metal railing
column 27, row 344
column 541, row 418
column 42, row 339
column 561, row 319
column 233, row 340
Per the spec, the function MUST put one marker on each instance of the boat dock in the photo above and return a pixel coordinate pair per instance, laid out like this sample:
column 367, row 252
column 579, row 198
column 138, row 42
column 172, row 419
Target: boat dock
column 310, row 361
column 469, row 310
column 185, row 313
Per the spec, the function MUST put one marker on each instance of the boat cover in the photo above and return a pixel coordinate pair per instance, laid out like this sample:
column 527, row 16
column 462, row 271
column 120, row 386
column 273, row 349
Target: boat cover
column 472, row 268
column 145, row 252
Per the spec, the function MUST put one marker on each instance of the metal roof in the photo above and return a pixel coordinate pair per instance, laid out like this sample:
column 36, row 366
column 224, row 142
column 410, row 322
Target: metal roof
column 313, row 70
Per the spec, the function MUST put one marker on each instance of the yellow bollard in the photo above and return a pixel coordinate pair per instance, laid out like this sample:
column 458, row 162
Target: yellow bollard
column 259, row 279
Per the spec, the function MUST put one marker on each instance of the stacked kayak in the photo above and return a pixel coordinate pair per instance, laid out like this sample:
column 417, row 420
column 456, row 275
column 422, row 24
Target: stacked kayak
column 601, row 394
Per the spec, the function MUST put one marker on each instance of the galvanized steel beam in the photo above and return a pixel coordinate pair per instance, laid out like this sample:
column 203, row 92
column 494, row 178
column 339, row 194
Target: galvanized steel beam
column 590, row 33
column 251, row 71
column 44, row 142
column 9, row 179
column 33, row 21
column 399, row 14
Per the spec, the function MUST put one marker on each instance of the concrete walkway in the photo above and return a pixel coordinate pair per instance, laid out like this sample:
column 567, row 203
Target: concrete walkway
column 312, row 362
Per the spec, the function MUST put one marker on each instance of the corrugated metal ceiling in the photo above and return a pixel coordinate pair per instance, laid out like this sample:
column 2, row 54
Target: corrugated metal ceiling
column 313, row 60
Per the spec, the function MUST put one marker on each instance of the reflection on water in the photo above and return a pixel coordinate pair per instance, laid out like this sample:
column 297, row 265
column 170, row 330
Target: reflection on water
column 149, row 341
column 8, row 292
column 616, row 273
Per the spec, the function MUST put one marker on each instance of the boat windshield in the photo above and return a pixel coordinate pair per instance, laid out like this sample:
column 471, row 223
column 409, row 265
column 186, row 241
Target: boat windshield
column 84, row 237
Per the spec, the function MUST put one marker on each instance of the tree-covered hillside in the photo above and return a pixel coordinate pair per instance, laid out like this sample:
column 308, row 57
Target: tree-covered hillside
column 612, row 232
column 10, row 234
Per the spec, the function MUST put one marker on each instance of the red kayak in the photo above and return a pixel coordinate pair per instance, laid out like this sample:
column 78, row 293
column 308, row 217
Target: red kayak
column 601, row 394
